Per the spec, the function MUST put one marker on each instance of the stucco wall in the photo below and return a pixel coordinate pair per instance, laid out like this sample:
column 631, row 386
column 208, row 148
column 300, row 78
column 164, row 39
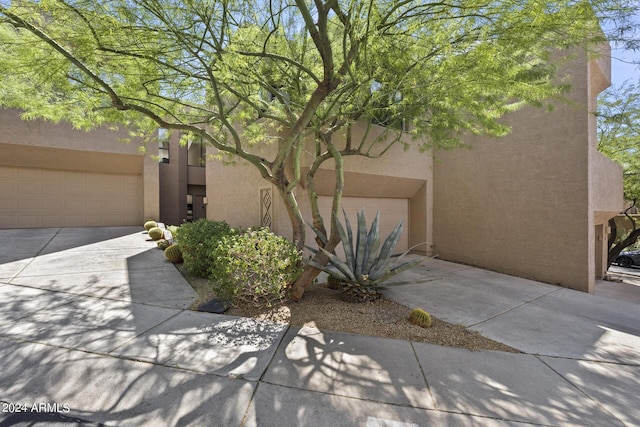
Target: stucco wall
column 518, row 204
column 233, row 191
column 524, row 204
column 61, row 135
column 606, row 181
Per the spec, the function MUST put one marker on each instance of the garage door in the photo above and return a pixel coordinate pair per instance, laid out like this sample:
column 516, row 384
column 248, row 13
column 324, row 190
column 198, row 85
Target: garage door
column 391, row 212
column 51, row 198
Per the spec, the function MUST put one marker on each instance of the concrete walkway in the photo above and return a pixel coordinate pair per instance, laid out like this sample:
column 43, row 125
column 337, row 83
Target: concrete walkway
column 93, row 330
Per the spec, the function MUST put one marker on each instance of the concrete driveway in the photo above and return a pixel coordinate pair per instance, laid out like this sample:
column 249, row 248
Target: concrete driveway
column 93, row 330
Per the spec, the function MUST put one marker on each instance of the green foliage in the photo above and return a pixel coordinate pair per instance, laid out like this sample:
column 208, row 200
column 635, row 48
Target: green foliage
column 156, row 233
column 441, row 68
column 174, row 231
column 420, row 317
column 198, row 240
column 150, row 224
column 163, row 244
column 367, row 265
column 255, row 267
column 173, row 253
column 618, row 121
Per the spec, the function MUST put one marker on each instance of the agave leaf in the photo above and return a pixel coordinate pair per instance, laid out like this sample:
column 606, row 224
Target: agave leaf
column 319, row 233
column 387, row 248
column 373, row 243
column 361, row 242
column 347, row 244
column 327, row 270
column 392, row 263
column 412, row 248
column 339, row 264
column 400, row 268
column 373, row 255
column 345, row 238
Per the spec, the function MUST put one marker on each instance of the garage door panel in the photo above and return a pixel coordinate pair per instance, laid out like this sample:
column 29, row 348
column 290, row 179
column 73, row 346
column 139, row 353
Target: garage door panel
column 52, row 190
column 29, row 221
column 44, row 198
column 74, row 191
column 391, row 212
column 7, row 188
column 73, row 206
column 93, row 180
column 97, row 219
column 52, row 205
column 30, row 204
column 95, row 205
column 30, row 188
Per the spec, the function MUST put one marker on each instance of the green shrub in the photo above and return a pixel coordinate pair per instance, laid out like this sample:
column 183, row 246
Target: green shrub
column 256, row 267
column 174, row 231
column 198, row 241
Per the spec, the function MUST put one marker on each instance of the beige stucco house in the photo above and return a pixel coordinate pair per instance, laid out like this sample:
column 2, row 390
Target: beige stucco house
column 533, row 204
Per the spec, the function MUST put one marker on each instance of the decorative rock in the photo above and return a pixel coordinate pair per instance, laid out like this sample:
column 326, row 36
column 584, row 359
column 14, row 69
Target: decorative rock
column 214, row 306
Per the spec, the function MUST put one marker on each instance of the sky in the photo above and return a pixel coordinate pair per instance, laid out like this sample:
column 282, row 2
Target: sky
column 621, row 67
column 621, row 70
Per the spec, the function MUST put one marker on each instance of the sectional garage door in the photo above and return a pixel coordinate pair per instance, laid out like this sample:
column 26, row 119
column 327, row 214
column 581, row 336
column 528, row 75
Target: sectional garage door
column 391, row 212
column 31, row 197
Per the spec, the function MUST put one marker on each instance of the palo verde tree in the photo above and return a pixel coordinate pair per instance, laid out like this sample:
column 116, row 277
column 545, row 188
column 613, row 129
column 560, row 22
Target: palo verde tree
column 618, row 119
column 243, row 74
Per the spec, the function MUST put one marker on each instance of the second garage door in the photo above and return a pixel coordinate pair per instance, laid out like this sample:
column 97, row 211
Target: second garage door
column 391, row 212
column 32, row 197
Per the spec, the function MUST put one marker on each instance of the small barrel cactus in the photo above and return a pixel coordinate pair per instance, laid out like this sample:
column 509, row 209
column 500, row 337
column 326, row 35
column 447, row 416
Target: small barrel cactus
column 173, row 253
column 163, row 244
column 156, row 233
column 334, row 282
column 150, row 224
column 420, row 317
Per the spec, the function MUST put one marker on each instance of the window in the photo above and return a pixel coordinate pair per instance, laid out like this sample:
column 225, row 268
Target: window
column 197, row 152
column 189, row 207
column 163, row 145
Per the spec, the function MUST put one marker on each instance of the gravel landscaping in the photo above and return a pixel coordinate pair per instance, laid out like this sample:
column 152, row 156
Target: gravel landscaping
column 324, row 308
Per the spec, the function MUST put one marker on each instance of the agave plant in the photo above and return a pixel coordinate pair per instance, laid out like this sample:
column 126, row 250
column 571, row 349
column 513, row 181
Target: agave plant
column 366, row 265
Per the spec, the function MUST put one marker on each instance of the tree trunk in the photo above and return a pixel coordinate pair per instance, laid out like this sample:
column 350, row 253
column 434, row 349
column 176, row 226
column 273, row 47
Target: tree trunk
column 309, row 273
column 614, row 252
column 293, row 210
